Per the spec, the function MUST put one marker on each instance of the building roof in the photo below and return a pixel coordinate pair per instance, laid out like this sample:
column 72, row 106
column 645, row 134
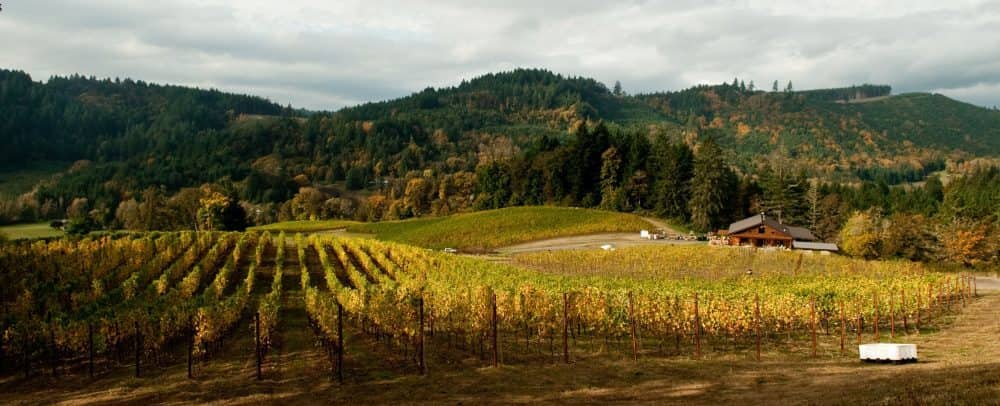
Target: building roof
column 798, row 233
column 814, row 246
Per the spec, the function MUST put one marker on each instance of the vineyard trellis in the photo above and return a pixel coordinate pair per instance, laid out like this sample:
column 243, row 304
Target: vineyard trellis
column 142, row 294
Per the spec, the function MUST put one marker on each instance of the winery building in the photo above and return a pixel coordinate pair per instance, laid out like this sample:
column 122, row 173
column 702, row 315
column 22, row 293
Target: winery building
column 763, row 231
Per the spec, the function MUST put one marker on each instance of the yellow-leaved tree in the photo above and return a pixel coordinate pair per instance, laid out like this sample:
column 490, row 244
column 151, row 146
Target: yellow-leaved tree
column 860, row 235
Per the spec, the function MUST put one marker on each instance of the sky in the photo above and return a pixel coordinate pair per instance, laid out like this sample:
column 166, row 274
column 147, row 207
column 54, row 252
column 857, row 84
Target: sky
column 325, row 55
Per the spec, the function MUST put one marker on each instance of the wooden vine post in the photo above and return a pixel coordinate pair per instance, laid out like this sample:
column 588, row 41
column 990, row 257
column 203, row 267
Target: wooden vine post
column 962, row 289
column 493, row 325
column 756, row 319
column 902, row 307
column 190, row 346
column 256, row 343
column 875, row 300
column 565, row 327
column 420, row 335
column 138, row 347
column 843, row 326
column 53, row 354
column 697, row 329
column 812, row 324
column 90, row 349
column 631, row 321
column 892, row 317
column 340, row 342
column 918, row 313
column 930, row 301
column 859, row 327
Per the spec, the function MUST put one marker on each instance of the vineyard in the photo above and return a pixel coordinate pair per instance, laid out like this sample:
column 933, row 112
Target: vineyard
column 144, row 301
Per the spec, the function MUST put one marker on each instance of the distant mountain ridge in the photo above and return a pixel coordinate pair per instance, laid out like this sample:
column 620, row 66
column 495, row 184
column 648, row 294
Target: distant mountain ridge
column 134, row 135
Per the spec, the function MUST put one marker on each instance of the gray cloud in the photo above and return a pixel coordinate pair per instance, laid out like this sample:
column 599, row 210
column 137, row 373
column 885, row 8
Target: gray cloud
column 326, row 55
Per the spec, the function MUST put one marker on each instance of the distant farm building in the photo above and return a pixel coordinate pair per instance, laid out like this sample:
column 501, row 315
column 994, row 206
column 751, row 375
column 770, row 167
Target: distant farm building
column 762, row 231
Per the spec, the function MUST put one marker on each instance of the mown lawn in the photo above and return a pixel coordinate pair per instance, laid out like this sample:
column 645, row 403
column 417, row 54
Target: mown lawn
column 487, row 230
column 27, row 231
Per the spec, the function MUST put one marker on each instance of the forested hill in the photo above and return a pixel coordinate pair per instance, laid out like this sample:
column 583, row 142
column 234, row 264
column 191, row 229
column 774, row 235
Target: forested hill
column 520, row 137
column 70, row 118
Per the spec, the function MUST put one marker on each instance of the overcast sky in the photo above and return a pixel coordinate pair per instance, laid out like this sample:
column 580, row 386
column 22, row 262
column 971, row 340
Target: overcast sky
column 329, row 54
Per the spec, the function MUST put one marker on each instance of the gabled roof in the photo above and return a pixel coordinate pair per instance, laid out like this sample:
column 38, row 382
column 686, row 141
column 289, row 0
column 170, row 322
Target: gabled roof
column 800, row 233
column 797, row 233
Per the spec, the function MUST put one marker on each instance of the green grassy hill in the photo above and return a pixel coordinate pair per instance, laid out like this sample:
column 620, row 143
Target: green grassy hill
column 487, row 230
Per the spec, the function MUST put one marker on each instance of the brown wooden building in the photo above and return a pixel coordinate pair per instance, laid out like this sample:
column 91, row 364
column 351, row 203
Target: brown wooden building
column 761, row 231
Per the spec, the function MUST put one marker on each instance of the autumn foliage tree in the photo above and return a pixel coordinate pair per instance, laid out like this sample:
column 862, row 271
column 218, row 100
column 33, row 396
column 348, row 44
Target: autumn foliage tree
column 860, row 235
column 969, row 242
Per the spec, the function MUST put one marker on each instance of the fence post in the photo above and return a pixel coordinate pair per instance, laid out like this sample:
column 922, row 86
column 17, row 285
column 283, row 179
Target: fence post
column 697, row 329
column 631, row 321
column 566, row 327
column 256, row 342
column 420, row 335
column 756, row 317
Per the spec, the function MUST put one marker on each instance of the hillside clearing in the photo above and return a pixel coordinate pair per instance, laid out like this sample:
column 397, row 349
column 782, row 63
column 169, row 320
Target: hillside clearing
column 28, row 231
column 488, row 230
column 306, row 226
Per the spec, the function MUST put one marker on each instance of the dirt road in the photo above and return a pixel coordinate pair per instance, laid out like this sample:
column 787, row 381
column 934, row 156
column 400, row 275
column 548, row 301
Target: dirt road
column 987, row 283
column 593, row 241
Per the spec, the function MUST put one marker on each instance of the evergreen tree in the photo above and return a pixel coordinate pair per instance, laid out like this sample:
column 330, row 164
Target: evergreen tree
column 774, row 88
column 611, row 165
column 711, row 188
column 618, row 88
column 672, row 166
column 784, row 191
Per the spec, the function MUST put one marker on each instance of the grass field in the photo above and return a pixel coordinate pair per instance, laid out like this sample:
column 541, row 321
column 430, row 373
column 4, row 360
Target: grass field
column 27, row 231
column 306, row 226
column 487, row 230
